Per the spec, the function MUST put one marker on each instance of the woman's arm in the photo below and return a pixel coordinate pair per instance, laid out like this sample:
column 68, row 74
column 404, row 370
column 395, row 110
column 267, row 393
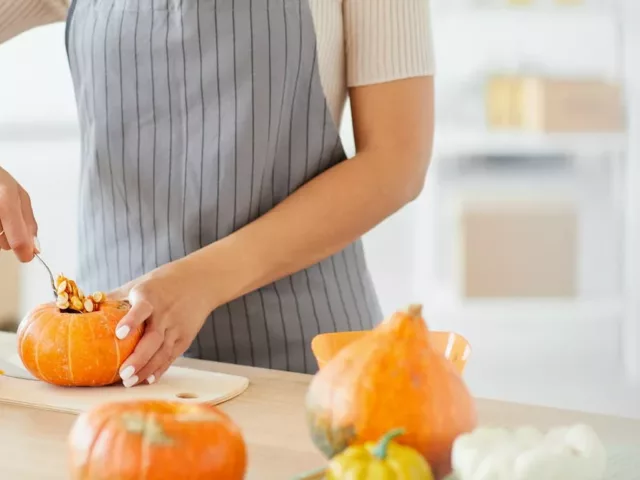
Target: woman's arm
column 392, row 104
column 392, row 108
column 393, row 126
column 17, row 16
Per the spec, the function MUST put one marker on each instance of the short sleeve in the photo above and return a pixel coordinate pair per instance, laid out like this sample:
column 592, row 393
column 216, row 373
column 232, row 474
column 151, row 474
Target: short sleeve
column 17, row 16
column 387, row 40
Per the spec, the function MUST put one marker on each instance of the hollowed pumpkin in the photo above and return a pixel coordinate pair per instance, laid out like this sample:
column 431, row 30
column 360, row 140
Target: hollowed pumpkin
column 69, row 348
column 156, row 440
column 391, row 378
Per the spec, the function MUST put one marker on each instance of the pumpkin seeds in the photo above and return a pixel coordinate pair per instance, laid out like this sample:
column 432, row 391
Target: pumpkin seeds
column 76, row 303
column 88, row 305
column 62, row 287
column 62, row 305
column 98, row 297
column 70, row 297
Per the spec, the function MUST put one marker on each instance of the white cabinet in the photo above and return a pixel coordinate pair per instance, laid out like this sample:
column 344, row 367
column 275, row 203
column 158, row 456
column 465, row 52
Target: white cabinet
column 630, row 15
column 575, row 343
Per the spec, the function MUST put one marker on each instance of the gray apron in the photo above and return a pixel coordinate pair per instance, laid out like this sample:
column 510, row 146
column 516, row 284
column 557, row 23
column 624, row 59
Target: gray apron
column 197, row 117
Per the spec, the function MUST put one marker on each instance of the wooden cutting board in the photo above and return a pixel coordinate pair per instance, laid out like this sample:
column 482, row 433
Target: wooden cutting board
column 178, row 383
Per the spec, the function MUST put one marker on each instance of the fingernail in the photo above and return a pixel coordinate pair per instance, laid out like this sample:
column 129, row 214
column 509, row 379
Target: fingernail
column 122, row 332
column 36, row 244
column 127, row 372
column 151, row 379
column 130, row 382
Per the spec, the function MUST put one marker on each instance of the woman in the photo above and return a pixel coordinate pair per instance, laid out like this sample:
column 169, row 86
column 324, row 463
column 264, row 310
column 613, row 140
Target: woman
column 213, row 177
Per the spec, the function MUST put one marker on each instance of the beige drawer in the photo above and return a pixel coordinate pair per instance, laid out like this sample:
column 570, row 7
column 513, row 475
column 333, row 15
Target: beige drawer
column 524, row 249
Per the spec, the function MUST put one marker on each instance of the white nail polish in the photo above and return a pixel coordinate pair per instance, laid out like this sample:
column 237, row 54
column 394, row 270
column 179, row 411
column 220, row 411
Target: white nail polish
column 130, row 382
column 126, row 373
column 151, row 379
column 122, row 332
column 36, row 244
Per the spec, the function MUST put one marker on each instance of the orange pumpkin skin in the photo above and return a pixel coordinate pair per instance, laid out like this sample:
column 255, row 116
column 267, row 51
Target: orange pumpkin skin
column 75, row 349
column 391, row 378
column 156, row 440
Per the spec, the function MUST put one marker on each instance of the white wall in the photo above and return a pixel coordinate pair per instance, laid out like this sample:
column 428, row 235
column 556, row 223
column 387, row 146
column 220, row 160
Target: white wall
column 35, row 84
column 39, row 147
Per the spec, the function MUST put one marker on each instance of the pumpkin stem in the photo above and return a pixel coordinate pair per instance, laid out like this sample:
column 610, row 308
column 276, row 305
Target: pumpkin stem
column 415, row 310
column 380, row 450
column 147, row 426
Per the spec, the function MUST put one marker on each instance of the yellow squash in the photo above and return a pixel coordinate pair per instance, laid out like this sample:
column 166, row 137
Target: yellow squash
column 385, row 460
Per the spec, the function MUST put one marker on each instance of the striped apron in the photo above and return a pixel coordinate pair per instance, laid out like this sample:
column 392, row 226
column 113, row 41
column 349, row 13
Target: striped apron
column 197, row 117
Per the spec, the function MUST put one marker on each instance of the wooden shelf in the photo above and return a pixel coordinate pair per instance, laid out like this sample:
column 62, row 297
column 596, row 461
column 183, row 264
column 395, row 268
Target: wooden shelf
column 461, row 142
column 573, row 13
column 541, row 311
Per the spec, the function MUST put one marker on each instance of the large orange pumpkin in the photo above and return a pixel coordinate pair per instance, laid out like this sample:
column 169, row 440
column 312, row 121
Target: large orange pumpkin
column 391, row 378
column 70, row 348
column 156, row 440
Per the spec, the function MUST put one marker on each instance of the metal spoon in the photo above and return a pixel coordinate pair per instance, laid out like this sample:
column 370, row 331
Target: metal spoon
column 53, row 282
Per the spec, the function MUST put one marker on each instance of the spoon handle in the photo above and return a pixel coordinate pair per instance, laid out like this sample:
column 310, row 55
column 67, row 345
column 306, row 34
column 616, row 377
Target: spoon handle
column 53, row 282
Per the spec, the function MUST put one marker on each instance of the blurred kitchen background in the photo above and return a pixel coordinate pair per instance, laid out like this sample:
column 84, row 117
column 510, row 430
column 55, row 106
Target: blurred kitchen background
column 527, row 237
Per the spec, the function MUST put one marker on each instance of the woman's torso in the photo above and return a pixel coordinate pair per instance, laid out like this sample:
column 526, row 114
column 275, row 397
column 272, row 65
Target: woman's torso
column 197, row 117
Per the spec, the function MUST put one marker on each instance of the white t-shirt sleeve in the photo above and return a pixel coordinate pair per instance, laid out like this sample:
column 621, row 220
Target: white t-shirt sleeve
column 387, row 40
column 17, row 16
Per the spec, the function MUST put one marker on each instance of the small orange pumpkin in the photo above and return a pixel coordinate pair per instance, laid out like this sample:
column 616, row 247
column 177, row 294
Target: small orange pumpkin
column 391, row 378
column 156, row 440
column 69, row 348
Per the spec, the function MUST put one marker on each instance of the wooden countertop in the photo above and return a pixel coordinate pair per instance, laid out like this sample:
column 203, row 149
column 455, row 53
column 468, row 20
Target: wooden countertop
column 271, row 416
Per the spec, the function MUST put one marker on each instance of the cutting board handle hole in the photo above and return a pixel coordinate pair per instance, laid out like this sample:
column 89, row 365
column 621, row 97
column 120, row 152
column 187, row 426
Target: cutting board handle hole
column 187, row 395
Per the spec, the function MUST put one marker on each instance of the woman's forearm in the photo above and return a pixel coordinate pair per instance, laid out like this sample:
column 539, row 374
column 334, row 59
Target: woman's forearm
column 335, row 208
column 315, row 222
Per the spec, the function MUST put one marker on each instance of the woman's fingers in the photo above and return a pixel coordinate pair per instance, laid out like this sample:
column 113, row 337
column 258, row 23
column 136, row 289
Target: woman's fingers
column 133, row 369
column 140, row 311
column 154, row 377
column 16, row 232
column 179, row 348
column 167, row 331
column 27, row 213
column 149, row 344
column 162, row 359
column 4, row 244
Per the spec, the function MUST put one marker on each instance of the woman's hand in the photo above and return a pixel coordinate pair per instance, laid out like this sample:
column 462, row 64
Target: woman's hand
column 18, row 227
column 171, row 303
